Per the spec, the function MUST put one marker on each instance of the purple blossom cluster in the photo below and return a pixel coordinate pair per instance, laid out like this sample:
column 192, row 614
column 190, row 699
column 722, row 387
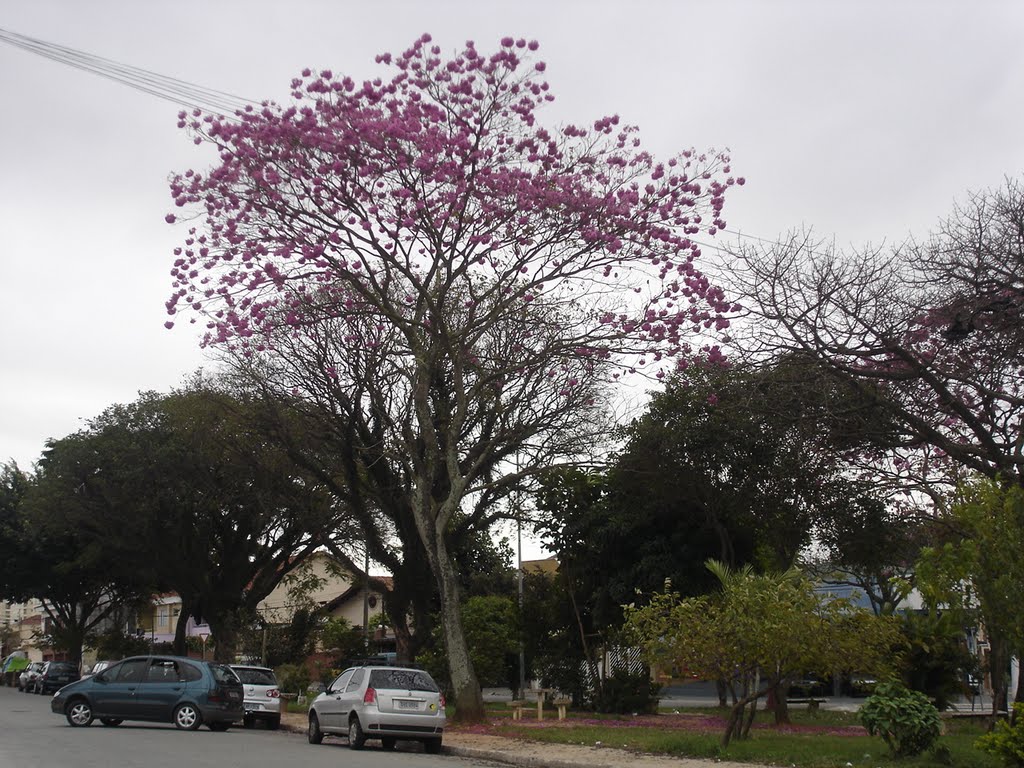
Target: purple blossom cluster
column 436, row 195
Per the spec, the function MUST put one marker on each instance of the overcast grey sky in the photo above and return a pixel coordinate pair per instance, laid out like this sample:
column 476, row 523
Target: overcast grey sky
column 865, row 120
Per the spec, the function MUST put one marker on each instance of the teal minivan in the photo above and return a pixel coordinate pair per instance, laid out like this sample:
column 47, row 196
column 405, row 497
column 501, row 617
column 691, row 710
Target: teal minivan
column 168, row 689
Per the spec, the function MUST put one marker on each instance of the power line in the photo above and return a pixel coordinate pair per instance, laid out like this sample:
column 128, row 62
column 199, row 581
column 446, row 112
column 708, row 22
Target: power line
column 180, row 92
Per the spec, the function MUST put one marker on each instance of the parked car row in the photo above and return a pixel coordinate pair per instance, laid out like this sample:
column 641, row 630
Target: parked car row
column 370, row 701
column 172, row 689
column 46, row 676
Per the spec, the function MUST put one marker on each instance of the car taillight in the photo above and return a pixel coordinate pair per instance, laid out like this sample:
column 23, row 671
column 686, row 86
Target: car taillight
column 273, row 693
column 214, row 696
column 370, row 697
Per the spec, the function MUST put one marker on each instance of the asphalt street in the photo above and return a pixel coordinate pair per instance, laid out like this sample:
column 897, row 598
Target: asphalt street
column 31, row 736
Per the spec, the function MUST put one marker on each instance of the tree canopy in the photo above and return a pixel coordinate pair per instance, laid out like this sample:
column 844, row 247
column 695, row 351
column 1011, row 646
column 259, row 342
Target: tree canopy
column 733, row 463
column 174, row 492
column 929, row 331
column 760, row 631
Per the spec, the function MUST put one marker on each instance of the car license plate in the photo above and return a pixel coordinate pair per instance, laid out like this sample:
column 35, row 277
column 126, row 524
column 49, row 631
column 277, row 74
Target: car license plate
column 407, row 704
column 251, row 707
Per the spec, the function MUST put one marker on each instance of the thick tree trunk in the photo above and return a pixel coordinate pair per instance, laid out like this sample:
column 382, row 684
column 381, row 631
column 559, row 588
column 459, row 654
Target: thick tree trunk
column 469, row 701
column 403, row 643
column 180, row 638
column 225, row 638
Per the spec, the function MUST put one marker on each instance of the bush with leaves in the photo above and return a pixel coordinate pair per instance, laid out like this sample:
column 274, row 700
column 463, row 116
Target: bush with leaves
column 118, row 645
column 292, row 678
column 1006, row 740
column 905, row 719
column 936, row 661
column 625, row 692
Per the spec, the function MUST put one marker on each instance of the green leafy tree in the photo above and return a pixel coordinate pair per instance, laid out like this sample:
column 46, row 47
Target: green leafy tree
column 871, row 545
column 338, row 637
column 736, row 464
column 758, row 633
column 936, row 661
column 61, row 562
column 17, row 572
column 977, row 573
column 492, row 632
column 554, row 647
column 116, row 644
column 185, row 493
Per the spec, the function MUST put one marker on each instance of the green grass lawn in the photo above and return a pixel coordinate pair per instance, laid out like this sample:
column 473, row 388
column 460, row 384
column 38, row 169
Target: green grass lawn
column 826, row 739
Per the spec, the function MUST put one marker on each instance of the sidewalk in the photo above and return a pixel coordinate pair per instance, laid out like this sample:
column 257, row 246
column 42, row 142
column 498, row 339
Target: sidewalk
column 538, row 755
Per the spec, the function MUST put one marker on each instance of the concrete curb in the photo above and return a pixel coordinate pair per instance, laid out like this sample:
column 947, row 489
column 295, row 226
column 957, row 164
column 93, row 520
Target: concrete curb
column 527, row 761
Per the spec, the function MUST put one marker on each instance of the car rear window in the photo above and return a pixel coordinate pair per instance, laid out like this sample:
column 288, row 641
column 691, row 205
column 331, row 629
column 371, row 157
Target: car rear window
column 256, row 676
column 62, row 668
column 222, row 673
column 402, row 679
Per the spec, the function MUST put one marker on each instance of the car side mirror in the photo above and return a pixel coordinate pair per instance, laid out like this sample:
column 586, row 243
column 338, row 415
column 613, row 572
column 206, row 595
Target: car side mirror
column 100, row 678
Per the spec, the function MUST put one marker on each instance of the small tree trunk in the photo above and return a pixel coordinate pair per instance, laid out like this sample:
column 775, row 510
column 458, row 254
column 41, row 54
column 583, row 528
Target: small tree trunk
column 731, row 726
column 998, row 664
column 723, row 693
column 750, row 719
column 780, row 706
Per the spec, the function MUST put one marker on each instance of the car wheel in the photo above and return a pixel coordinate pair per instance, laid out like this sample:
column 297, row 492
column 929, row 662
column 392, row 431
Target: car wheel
column 274, row 723
column 78, row 712
column 432, row 746
column 110, row 722
column 388, row 743
column 313, row 733
column 356, row 739
column 219, row 727
column 187, row 717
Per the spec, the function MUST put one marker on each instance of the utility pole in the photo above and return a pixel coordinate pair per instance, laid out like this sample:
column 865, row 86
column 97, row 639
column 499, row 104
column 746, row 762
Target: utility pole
column 366, row 601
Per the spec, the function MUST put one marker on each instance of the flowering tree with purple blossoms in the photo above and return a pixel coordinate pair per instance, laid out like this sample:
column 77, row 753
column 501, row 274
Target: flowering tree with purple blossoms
column 469, row 281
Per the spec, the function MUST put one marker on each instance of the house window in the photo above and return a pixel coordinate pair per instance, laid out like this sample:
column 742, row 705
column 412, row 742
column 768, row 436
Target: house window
column 162, row 614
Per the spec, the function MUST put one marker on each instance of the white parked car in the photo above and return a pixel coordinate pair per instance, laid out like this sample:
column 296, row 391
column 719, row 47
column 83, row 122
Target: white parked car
column 380, row 702
column 262, row 696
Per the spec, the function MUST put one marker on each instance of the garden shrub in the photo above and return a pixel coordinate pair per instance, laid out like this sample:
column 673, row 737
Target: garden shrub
column 906, row 720
column 1006, row 740
column 292, row 678
column 625, row 692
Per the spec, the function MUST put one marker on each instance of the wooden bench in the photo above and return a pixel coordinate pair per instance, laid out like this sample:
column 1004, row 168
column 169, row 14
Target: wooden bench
column 813, row 704
column 517, row 708
column 562, row 703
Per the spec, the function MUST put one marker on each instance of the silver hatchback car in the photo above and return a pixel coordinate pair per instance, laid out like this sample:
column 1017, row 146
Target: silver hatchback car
column 380, row 702
column 262, row 696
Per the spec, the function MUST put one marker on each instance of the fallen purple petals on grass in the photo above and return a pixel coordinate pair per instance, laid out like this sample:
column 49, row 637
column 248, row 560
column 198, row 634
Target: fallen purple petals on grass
column 683, row 722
